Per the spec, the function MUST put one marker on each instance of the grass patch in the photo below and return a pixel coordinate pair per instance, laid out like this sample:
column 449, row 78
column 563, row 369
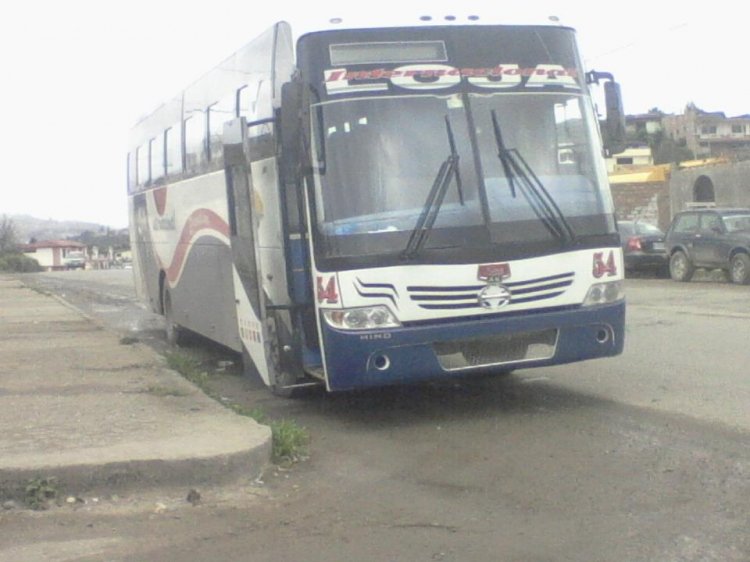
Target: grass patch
column 188, row 367
column 165, row 391
column 39, row 492
column 255, row 412
column 289, row 440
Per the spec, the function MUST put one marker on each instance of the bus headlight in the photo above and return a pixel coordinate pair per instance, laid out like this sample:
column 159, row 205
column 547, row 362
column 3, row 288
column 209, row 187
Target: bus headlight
column 365, row 318
column 604, row 293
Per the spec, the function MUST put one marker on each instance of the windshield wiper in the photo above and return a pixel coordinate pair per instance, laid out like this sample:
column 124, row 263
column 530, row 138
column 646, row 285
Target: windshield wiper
column 425, row 222
column 520, row 175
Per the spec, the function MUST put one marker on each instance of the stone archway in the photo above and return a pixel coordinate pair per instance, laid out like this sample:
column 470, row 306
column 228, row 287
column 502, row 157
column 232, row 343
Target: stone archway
column 703, row 190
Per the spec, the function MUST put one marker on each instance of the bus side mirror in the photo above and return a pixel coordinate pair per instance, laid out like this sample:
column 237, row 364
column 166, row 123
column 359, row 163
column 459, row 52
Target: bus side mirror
column 291, row 129
column 614, row 125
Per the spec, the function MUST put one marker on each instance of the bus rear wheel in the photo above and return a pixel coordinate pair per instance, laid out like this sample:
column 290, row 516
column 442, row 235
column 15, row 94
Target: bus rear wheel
column 175, row 334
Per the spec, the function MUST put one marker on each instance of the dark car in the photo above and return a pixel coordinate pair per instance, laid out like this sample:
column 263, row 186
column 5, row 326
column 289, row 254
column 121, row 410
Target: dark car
column 642, row 247
column 711, row 239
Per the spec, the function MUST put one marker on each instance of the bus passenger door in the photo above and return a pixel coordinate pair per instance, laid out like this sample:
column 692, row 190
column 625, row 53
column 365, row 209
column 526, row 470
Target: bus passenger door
column 265, row 324
column 251, row 309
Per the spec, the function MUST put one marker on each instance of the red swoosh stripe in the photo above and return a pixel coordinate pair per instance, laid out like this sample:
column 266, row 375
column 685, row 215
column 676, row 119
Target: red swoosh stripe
column 201, row 219
column 160, row 199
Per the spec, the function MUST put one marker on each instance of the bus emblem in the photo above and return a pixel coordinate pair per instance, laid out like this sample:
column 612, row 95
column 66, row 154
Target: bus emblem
column 494, row 296
column 328, row 294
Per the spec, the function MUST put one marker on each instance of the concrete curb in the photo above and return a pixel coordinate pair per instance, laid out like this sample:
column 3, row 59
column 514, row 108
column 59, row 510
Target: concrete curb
column 129, row 476
column 79, row 406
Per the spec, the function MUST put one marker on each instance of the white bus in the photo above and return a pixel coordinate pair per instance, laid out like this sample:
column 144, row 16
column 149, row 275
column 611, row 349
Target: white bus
column 370, row 206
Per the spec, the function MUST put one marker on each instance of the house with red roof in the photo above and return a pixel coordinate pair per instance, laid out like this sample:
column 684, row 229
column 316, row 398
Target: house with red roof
column 54, row 255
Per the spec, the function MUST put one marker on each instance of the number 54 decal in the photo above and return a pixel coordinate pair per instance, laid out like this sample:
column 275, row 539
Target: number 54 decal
column 602, row 268
column 327, row 292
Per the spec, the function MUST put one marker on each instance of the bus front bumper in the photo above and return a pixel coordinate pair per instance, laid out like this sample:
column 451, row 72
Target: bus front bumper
column 358, row 359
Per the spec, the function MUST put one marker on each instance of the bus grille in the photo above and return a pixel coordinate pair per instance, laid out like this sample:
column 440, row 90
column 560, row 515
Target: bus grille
column 496, row 350
column 466, row 297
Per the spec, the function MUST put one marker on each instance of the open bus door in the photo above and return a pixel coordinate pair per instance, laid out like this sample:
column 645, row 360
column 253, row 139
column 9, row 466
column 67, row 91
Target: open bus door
column 265, row 337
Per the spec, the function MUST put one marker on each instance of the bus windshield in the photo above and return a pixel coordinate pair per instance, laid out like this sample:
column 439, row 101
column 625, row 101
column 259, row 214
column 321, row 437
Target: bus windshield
column 376, row 160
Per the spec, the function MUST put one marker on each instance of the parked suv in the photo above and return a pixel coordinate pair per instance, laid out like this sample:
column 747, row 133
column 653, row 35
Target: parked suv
column 712, row 239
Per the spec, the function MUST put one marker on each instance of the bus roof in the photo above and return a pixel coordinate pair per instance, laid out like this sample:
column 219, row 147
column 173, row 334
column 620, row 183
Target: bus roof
column 305, row 24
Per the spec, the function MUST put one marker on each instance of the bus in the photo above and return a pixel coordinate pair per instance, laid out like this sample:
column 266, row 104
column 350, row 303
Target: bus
column 356, row 206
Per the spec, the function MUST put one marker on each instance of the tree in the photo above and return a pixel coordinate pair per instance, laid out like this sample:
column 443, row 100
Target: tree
column 8, row 236
column 667, row 151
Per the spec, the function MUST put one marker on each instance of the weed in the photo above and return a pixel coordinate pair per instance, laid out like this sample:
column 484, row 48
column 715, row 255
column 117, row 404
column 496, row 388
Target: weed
column 255, row 413
column 39, row 492
column 157, row 390
column 290, row 441
column 38, row 290
column 188, row 367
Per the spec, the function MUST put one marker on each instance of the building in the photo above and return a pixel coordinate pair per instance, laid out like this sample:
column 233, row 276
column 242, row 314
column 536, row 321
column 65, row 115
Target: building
column 641, row 126
column 643, row 194
column 710, row 134
column 55, row 255
column 724, row 184
column 630, row 158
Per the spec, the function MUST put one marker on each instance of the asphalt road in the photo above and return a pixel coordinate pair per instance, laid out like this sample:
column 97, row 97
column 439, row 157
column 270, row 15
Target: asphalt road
column 641, row 457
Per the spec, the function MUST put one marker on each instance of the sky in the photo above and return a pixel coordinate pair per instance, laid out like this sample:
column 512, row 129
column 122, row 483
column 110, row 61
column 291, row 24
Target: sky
column 77, row 74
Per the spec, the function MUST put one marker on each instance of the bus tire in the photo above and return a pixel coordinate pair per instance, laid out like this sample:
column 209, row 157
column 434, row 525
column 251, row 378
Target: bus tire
column 282, row 387
column 175, row 334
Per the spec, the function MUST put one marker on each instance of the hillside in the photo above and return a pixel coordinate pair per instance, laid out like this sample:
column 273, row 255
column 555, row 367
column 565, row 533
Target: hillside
column 28, row 227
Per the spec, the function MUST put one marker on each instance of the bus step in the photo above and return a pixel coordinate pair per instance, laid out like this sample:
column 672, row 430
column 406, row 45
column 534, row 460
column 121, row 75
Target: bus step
column 303, row 385
column 316, row 372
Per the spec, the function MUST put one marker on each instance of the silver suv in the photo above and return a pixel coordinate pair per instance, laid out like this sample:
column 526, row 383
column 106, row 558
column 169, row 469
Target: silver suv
column 711, row 239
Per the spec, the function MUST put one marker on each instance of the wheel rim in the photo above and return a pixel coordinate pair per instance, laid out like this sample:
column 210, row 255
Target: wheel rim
column 738, row 270
column 678, row 265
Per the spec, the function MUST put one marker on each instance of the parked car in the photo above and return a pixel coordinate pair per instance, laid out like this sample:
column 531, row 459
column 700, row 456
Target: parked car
column 642, row 246
column 75, row 260
column 710, row 238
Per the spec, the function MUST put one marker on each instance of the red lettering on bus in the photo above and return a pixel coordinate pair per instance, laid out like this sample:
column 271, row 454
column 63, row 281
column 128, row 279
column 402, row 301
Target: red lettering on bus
column 602, row 268
column 327, row 294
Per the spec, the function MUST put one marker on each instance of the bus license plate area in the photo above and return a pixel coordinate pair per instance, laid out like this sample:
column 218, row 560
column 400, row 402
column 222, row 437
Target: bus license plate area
column 496, row 350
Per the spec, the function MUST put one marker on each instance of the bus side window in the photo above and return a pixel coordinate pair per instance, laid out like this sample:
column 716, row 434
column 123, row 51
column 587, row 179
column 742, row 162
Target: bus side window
column 247, row 98
column 132, row 173
column 142, row 167
column 173, row 150
column 157, row 159
column 195, row 142
column 219, row 113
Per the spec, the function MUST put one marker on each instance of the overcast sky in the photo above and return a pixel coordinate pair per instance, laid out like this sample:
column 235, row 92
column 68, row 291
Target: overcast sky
column 77, row 74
